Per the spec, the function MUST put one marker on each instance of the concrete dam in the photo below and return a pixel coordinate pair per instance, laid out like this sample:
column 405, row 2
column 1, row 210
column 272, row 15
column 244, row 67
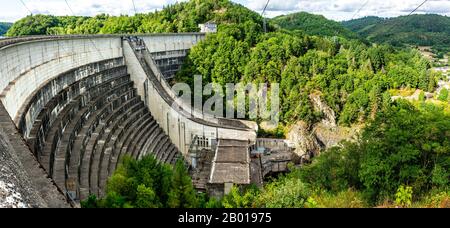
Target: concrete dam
column 73, row 106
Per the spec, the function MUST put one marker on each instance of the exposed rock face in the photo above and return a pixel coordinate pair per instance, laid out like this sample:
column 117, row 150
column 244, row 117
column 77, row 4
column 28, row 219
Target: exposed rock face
column 331, row 137
column 414, row 97
column 329, row 119
column 310, row 141
column 305, row 141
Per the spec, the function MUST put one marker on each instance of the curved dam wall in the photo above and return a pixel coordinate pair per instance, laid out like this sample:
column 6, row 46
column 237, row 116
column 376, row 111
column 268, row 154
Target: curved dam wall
column 181, row 125
column 29, row 73
column 26, row 66
column 73, row 106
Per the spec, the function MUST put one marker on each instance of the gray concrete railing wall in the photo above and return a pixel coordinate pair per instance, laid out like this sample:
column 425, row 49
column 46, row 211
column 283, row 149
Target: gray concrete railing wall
column 172, row 42
column 274, row 144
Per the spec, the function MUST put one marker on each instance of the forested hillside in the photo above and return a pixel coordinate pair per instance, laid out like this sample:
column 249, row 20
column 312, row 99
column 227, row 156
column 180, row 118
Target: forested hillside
column 4, row 26
column 401, row 157
column 420, row 30
column 363, row 25
column 400, row 160
column 351, row 77
column 180, row 17
column 312, row 24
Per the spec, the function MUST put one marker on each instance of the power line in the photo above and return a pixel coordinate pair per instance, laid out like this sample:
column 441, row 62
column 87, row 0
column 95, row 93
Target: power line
column 134, row 6
column 398, row 22
column 418, row 7
column 26, row 7
column 70, row 8
column 265, row 7
column 359, row 10
column 264, row 18
column 93, row 43
column 336, row 32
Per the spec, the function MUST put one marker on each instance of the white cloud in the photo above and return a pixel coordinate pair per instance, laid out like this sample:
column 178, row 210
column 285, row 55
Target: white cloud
column 12, row 9
column 90, row 8
column 334, row 9
column 347, row 9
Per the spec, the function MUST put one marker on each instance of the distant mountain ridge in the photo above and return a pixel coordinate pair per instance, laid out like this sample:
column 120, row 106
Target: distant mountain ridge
column 362, row 25
column 418, row 30
column 312, row 24
column 4, row 26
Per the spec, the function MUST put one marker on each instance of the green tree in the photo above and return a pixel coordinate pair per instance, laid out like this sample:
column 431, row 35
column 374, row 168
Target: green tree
column 4, row 26
column 91, row 202
column 179, row 17
column 440, row 177
column 335, row 170
column 182, row 193
column 443, row 95
column 402, row 145
column 146, row 198
column 240, row 199
column 33, row 25
column 422, row 96
column 404, row 195
column 148, row 184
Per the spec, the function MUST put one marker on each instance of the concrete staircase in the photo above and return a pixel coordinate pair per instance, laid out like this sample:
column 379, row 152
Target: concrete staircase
column 83, row 132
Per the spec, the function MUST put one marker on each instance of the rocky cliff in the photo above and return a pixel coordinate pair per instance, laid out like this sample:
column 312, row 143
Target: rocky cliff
column 309, row 140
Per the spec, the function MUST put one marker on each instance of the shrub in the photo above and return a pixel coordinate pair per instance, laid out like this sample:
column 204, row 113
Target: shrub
column 403, row 197
column 345, row 199
column 443, row 95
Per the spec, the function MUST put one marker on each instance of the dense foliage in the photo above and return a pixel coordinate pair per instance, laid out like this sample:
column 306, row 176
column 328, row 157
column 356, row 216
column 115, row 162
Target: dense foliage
column 350, row 76
column 362, row 25
column 443, row 95
column 180, row 17
column 402, row 156
column 419, row 30
column 403, row 145
column 4, row 26
column 312, row 24
column 401, row 159
column 148, row 184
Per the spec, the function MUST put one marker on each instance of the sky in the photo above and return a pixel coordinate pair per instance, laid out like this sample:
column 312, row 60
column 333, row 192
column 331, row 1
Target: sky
column 12, row 10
